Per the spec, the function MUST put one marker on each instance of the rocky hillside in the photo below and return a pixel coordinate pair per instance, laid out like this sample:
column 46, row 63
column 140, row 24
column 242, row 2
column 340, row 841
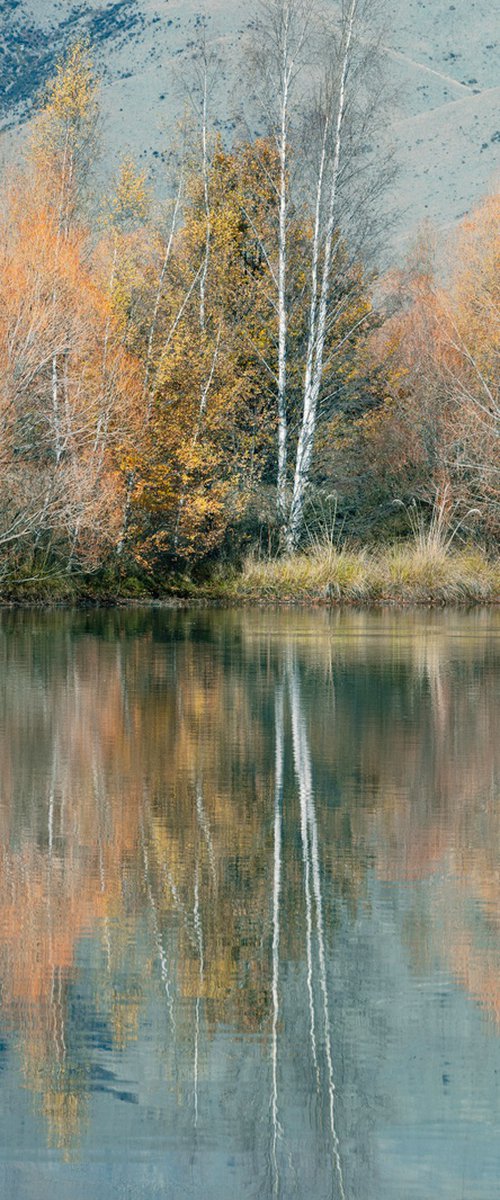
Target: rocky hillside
column 443, row 59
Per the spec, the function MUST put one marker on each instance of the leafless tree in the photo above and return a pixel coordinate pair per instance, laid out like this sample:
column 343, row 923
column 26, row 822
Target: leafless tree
column 320, row 96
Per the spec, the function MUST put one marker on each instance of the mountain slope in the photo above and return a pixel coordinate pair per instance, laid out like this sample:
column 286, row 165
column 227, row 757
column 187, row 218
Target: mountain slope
column 443, row 57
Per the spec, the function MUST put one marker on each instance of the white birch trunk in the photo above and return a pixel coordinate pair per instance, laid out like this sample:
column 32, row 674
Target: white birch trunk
column 199, row 938
column 307, row 872
column 164, row 971
column 56, row 415
column 303, row 771
column 278, row 821
column 317, row 331
column 282, row 273
column 146, row 390
column 206, row 198
column 205, row 827
column 283, row 36
column 206, row 385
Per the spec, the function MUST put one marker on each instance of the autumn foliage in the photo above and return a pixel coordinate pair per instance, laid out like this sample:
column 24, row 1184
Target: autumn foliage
column 138, row 345
column 434, row 439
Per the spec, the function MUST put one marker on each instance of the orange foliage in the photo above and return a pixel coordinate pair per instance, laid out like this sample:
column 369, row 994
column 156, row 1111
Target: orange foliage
column 438, row 430
column 66, row 385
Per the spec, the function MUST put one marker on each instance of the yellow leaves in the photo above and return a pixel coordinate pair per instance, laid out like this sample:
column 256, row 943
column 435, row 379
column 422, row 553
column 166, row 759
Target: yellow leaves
column 68, row 384
column 69, row 110
column 193, row 304
column 473, row 302
column 73, row 91
column 131, row 200
column 64, row 137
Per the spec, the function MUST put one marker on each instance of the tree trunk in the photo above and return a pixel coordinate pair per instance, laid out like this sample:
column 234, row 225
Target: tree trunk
column 278, row 821
column 318, row 326
column 282, row 273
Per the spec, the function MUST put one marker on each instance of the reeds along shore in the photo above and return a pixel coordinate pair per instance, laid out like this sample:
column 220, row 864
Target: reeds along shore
column 405, row 573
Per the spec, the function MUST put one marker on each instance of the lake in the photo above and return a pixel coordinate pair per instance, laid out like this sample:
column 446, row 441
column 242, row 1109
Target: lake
column 249, row 905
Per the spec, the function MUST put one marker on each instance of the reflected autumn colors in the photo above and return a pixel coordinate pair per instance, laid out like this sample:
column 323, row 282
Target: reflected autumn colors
column 249, row 878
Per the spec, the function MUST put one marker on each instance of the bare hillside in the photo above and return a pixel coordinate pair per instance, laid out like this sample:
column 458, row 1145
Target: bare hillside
column 443, row 59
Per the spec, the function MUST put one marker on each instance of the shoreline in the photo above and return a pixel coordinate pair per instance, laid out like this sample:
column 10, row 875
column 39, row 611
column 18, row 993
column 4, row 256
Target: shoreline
column 406, row 575
column 82, row 603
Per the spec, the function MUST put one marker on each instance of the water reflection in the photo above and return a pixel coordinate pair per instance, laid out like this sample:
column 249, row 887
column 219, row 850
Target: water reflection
column 249, row 905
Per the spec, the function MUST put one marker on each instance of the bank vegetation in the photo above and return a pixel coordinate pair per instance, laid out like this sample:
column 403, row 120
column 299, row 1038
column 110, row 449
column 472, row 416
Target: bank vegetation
column 222, row 378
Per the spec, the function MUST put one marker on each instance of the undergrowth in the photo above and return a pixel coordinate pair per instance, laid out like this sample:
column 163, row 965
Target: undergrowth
column 407, row 573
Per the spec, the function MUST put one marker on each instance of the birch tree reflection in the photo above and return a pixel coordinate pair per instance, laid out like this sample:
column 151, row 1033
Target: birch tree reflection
column 310, row 850
column 194, row 808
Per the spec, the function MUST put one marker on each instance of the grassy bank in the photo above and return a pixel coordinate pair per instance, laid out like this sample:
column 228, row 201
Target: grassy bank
column 404, row 574
column 409, row 573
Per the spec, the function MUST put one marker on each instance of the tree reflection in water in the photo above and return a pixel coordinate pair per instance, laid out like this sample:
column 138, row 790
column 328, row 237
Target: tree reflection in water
column 194, row 809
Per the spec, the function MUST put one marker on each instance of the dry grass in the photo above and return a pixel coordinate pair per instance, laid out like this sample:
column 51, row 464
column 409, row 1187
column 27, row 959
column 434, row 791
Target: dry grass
column 407, row 573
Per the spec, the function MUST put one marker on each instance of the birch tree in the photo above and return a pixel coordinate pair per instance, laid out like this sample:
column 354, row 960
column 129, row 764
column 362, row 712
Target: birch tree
column 347, row 110
column 277, row 888
column 63, row 148
column 281, row 45
column 312, row 867
column 439, row 433
column 320, row 279
column 204, row 70
column 210, row 429
column 60, row 499
column 66, row 373
column 322, row 118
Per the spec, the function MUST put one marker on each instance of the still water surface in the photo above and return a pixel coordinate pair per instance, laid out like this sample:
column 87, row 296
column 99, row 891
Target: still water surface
column 249, row 906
